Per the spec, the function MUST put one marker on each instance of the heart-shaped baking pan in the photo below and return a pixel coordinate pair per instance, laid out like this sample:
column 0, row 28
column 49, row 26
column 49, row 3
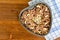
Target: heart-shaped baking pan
column 36, row 19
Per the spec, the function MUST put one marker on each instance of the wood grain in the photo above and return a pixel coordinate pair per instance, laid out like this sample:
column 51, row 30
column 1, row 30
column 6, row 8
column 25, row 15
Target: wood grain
column 10, row 28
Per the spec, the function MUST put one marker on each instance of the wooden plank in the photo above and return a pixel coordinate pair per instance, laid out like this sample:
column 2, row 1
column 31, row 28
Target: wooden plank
column 14, row 1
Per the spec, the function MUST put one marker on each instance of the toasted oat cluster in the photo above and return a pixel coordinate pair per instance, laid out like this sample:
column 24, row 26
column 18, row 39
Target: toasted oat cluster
column 37, row 19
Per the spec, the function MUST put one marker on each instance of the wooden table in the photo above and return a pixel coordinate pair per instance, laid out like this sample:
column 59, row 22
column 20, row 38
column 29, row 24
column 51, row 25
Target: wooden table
column 10, row 28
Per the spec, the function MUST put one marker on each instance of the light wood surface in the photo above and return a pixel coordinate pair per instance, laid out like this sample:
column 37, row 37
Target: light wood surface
column 10, row 28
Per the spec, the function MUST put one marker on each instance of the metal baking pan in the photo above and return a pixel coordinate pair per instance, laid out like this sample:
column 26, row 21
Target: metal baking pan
column 30, row 7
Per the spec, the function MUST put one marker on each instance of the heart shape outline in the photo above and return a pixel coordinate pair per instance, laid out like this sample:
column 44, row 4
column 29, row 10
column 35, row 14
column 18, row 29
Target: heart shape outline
column 31, row 7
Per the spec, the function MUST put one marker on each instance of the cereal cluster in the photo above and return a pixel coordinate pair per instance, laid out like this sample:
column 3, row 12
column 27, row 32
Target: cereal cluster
column 37, row 20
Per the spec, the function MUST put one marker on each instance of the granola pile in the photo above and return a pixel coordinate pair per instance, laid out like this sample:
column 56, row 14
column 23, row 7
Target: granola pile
column 37, row 19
